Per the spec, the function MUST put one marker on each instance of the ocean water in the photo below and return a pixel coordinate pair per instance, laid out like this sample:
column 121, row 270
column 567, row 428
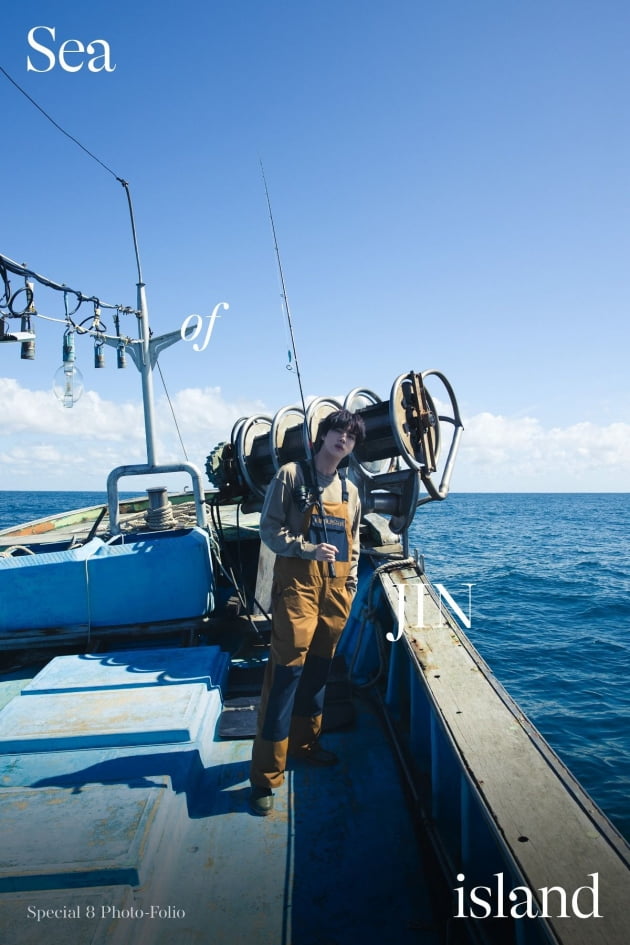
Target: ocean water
column 550, row 614
column 21, row 507
column 550, row 611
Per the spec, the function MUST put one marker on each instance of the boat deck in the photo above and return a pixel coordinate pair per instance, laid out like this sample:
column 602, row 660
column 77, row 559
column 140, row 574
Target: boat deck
column 127, row 818
column 78, row 526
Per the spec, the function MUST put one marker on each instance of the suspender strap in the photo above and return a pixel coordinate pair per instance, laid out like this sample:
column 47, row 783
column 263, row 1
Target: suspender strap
column 343, row 475
column 307, row 474
column 308, row 479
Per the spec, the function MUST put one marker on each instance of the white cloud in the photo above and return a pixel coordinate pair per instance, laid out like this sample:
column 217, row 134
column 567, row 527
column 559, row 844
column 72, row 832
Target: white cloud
column 44, row 445
column 39, row 412
column 518, row 454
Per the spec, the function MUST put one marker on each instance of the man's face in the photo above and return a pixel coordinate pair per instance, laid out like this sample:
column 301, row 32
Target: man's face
column 339, row 443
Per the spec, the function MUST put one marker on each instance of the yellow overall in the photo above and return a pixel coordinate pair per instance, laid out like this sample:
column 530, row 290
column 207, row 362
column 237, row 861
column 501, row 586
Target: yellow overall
column 309, row 612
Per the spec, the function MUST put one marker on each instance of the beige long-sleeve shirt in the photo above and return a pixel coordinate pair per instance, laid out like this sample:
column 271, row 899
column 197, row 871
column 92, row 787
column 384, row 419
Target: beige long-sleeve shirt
column 281, row 521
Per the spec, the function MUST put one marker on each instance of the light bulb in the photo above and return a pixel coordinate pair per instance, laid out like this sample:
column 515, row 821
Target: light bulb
column 68, row 384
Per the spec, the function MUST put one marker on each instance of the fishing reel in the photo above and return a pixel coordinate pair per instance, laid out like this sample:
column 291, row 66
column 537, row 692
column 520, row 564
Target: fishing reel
column 304, row 498
column 392, row 467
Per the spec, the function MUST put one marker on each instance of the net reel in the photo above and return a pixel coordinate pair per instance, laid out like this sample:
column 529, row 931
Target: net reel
column 398, row 458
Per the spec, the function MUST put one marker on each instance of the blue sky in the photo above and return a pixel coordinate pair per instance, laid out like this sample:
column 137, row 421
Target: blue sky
column 450, row 190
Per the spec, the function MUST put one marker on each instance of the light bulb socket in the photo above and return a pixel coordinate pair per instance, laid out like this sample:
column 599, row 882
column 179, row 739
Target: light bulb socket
column 27, row 348
column 69, row 353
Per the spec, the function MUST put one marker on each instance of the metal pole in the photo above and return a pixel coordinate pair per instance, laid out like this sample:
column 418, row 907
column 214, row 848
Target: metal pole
column 147, row 376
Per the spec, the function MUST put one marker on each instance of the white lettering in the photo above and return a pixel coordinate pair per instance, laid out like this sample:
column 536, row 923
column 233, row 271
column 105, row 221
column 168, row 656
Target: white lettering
column 42, row 49
column 61, row 912
column 69, row 50
column 530, row 906
column 594, row 890
column 402, row 588
column 476, row 900
column 188, row 324
column 91, row 49
column 420, row 592
column 466, row 620
column 401, row 616
column 459, row 890
column 500, row 895
column 554, row 900
column 544, row 896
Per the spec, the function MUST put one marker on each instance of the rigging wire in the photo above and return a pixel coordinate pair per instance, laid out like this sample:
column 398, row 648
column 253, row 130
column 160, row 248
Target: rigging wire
column 13, row 267
column 58, row 126
column 168, row 397
column 90, row 154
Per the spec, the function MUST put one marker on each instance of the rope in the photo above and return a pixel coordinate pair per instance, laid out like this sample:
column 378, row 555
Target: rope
column 161, row 519
column 369, row 613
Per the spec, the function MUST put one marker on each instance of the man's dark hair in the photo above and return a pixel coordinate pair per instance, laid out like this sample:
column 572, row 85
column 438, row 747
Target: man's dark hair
column 342, row 419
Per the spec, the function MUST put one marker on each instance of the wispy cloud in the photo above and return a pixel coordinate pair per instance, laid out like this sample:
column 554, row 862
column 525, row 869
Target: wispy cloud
column 43, row 445
column 519, row 454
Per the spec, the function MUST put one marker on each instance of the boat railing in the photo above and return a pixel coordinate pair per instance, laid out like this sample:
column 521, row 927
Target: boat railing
column 144, row 469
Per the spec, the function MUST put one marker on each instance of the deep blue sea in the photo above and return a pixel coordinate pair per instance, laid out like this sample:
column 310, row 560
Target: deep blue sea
column 550, row 614
column 550, row 611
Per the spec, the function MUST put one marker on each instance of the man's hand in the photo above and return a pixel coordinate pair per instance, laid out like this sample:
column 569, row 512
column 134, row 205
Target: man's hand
column 324, row 552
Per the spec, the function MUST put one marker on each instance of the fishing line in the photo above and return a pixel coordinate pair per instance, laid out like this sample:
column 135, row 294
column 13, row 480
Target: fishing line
column 309, row 443
column 287, row 310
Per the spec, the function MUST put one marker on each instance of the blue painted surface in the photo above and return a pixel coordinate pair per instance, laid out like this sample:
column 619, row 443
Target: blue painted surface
column 89, row 779
column 161, row 576
column 130, row 669
column 168, row 823
column 46, row 590
column 89, row 837
column 65, row 721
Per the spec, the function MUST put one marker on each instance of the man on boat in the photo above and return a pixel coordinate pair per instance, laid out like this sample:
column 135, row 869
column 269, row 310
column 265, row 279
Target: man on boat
column 314, row 582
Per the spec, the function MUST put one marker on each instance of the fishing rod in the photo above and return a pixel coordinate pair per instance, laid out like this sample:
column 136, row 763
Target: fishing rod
column 311, row 454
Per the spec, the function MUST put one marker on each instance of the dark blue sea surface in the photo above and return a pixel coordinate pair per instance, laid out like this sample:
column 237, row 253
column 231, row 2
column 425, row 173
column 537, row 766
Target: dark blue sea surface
column 17, row 508
column 550, row 611
column 550, row 614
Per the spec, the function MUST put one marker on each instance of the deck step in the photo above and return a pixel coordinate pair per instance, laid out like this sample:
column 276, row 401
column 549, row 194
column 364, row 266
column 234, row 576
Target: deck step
column 95, row 835
column 112, row 718
column 119, row 699
column 131, row 669
column 144, row 724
